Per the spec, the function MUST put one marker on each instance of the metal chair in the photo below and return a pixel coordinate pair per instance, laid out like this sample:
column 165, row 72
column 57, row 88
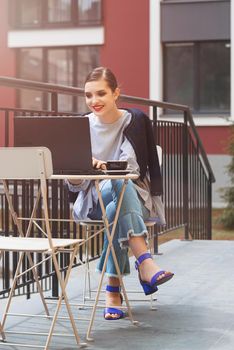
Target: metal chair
column 35, row 163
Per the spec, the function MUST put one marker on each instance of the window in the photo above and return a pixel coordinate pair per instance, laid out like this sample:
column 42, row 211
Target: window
column 54, row 13
column 31, row 68
column 59, row 11
column 198, row 75
column 26, row 13
column 63, row 66
column 60, row 71
column 89, row 11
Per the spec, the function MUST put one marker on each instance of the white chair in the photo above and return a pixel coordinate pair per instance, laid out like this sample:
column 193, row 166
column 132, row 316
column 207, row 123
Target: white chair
column 35, row 163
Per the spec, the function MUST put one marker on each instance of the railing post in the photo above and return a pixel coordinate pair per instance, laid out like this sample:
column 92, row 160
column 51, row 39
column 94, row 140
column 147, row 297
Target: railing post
column 209, row 213
column 155, row 229
column 54, row 102
column 6, row 129
column 155, row 116
column 185, row 177
column 55, row 214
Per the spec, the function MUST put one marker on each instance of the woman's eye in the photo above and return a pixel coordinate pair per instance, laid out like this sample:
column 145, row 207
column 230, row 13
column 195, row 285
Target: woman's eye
column 88, row 95
column 102, row 93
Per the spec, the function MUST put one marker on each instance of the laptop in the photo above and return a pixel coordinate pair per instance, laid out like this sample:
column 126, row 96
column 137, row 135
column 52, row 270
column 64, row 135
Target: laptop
column 68, row 139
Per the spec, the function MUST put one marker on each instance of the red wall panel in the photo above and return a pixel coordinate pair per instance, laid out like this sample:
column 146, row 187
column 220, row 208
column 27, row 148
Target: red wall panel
column 215, row 138
column 126, row 48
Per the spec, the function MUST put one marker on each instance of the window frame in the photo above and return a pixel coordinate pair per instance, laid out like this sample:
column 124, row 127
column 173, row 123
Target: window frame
column 196, row 108
column 14, row 19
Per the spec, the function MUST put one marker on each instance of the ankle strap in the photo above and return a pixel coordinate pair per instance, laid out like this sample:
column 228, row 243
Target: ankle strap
column 141, row 259
column 113, row 289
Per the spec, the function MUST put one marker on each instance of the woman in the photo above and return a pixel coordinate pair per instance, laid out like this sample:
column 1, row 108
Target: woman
column 120, row 134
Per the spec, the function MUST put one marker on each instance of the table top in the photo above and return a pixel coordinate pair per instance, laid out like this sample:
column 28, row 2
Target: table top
column 129, row 176
column 34, row 244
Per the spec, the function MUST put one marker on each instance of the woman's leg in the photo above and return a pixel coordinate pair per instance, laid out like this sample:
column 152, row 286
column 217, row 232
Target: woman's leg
column 136, row 239
column 130, row 212
column 112, row 298
column 130, row 223
column 130, row 231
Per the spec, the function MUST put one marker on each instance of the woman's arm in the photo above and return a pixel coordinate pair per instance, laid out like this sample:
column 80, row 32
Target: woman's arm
column 77, row 185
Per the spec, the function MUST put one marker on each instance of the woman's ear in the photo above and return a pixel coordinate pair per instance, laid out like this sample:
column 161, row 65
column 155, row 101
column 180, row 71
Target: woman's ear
column 116, row 93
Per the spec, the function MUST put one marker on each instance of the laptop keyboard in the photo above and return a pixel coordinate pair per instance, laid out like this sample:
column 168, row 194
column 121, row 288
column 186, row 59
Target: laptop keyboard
column 87, row 172
column 91, row 172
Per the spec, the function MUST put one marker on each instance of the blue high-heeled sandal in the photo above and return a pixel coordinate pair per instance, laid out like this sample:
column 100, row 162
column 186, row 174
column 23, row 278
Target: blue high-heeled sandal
column 152, row 286
column 113, row 310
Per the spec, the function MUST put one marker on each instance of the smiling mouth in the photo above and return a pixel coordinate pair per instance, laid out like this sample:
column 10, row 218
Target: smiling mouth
column 97, row 108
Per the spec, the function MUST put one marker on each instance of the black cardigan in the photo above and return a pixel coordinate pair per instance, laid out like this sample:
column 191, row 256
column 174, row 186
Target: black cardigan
column 139, row 132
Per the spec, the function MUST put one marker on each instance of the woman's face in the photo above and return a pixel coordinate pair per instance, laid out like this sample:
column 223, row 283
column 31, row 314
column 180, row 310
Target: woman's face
column 99, row 97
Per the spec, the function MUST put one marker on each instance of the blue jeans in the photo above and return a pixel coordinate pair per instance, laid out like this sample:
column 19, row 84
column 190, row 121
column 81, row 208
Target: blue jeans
column 130, row 223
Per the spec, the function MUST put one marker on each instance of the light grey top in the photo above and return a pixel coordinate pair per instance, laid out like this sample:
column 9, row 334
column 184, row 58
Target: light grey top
column 108, row 143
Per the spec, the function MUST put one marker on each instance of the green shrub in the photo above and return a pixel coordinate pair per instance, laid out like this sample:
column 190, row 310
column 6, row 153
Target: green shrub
column 227, row 217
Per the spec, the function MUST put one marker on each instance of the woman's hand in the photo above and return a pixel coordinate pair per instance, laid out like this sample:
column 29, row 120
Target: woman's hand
column 99, row 164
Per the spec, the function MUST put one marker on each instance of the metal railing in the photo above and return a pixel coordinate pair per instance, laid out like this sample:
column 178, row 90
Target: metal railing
column 187, row 177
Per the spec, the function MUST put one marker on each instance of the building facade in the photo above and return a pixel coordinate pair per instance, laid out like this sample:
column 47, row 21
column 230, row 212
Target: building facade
column 171, row 50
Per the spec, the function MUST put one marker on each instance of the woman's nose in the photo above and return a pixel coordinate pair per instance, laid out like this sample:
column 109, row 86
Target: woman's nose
column 94, row 100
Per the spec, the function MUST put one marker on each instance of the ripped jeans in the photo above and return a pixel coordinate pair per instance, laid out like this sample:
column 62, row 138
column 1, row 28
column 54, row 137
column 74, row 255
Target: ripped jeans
column 130, row 223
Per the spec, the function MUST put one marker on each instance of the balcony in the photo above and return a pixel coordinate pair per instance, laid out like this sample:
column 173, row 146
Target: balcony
column 194, row 309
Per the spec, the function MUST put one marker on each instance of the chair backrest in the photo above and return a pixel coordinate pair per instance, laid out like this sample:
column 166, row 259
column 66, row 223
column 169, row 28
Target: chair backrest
column 25, row 163
column 159, row 151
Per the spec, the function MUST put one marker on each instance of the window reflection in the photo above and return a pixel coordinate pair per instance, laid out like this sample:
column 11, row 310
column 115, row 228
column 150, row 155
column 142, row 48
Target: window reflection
column 89, row 11
column 31, row 64
column 198, row 75
column 214, row 77
column 88, row 58
column 60, row 66
column 59, row 11
column 179, row 73
column 28, row 13
column 60, row 71
column 31, row 68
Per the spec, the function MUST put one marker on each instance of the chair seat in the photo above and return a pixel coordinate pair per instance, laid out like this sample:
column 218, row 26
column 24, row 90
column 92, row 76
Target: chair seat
column 150, row 223
column 18, row 244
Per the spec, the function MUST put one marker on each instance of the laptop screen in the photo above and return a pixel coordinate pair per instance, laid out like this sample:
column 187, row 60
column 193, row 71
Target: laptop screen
column 68, row 138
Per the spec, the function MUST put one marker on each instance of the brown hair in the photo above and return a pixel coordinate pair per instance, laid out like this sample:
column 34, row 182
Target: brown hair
column 103, row 73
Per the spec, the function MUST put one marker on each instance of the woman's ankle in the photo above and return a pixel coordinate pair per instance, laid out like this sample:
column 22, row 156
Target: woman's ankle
column 113, row 296
column 113, row 281
column 147, row 269
column 138, row 245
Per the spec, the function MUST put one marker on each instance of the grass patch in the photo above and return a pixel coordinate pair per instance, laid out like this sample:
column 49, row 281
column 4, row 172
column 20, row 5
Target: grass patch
column 176, row 234
column 218, row 231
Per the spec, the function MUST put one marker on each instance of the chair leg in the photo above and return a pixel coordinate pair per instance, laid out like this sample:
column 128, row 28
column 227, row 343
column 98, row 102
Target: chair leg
column 87, row 282
column 63, row 295
column 11, row 291
column 2, row 333
column 19, row 228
